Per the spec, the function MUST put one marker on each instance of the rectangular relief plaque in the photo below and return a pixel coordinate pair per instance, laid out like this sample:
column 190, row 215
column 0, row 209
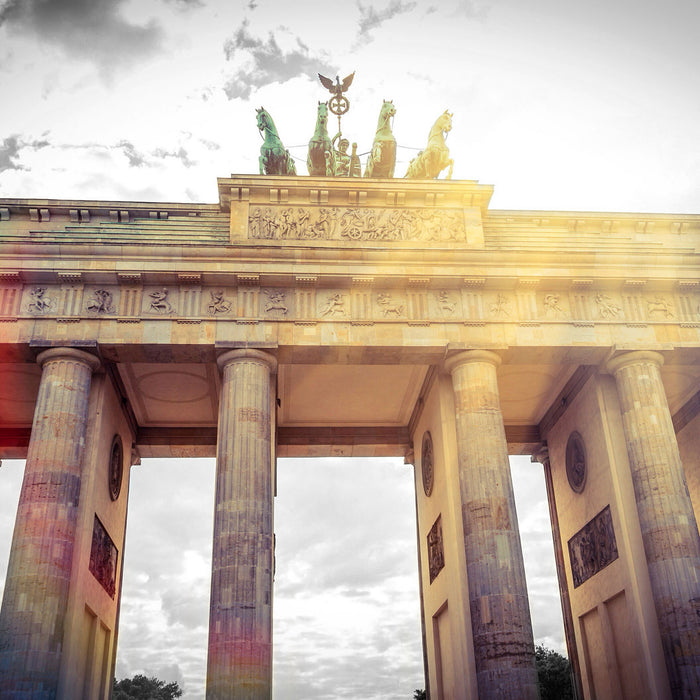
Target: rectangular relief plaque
column 103, row 558
column 436, row 554
column 593, row 547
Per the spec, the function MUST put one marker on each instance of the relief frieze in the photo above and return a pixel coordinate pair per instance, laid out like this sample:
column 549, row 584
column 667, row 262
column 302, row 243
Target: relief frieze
column 607, row 308
column 103, row 558
column 160, row 303
column 334, row 305
column 356, row 224
column 276, row 301
column 102, row 302
column 593, row 547
column 390, row 308
column 446, row 303
column 436, row 551
column 41, row 303
column 218, row 303
column 553, row 306
column 354, row 302
column 659, row 307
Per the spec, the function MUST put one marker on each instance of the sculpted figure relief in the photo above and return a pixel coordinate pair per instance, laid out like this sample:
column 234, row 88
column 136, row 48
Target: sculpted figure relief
column 356, row 224
column 431, row 161
column 41, row 303
column 659, row 305
column 218, row 304
column 447, row 304
column 160, row 303
column 334, row 306
column 606, row 307
column 593, row 547
column 436, row 552
column 552, row 307
column 389, row 306
column 102, row 303
column 501, row 307
column 275, row 301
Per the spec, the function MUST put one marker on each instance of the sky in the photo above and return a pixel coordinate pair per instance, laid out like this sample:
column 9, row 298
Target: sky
column 560, row 105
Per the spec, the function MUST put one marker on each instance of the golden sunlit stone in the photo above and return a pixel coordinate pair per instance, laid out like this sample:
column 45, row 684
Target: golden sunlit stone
column 305, row 316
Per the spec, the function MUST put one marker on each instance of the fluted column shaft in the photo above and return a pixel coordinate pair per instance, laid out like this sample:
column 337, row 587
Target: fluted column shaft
column 39, row 570
column 669, row 529
column 240, row 622
column 500, row 614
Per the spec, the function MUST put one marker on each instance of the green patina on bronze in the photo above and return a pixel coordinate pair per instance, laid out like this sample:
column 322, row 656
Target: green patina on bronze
column 382, row 159
column 321, row 160
column 328, row 157
column 274, row 157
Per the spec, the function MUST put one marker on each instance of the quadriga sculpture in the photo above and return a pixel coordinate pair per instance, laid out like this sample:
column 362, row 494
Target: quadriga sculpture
column 382, row 159
column 321, row 157
column 431, row 161
column 274, row 158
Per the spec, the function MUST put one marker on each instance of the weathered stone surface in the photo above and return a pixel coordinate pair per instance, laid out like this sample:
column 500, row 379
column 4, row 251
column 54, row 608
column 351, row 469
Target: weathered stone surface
column 239, row 664
column 366, row 286
column 39, row 571
column 500, row 613
column 669, row 529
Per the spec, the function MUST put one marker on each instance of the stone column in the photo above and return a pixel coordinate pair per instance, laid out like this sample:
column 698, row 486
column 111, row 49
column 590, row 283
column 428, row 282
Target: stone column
column 504, row 651
column 240, row 620
column 669, row 530
column 39, row 570
column 542, row 456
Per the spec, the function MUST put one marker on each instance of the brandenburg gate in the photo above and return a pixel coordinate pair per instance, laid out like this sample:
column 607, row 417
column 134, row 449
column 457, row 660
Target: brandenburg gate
column 305, row 316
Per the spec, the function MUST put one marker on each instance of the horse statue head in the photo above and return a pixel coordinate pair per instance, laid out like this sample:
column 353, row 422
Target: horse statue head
column 322, row 115
column 385, row 114
column 382, row 159
column 442, row 126
column 265, row 122
column 430, row 162
column 274, row 158
column 320, row 159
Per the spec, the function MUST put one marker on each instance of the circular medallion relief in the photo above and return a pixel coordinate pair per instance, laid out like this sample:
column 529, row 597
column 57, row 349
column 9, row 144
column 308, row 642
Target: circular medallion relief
column 116, row 468
column 426, row 463
column 576, row 462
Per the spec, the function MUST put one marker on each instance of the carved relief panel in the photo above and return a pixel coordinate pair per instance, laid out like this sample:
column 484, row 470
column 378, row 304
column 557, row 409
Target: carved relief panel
column 593, row 547
column 103, row 558
column 436, row 552
column 356, row 224
column 160, row 301
column 101, row 301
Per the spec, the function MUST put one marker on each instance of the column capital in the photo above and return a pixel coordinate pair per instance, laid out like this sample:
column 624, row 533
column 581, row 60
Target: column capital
column 246, row 355
column 541, row 456
column 633, row 357
column 69, row 354
column 469, row 356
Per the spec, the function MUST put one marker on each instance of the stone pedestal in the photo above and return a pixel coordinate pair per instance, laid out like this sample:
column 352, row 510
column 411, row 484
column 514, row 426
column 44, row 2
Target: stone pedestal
column 669, row 529
column 501, row 628
column 38, row 578
column 240, row 624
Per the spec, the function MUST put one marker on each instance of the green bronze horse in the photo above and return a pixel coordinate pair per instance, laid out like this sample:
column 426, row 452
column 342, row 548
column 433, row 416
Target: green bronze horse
column 431, row 161
column 274, row 158
column 382, row 159
column 321, row 156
